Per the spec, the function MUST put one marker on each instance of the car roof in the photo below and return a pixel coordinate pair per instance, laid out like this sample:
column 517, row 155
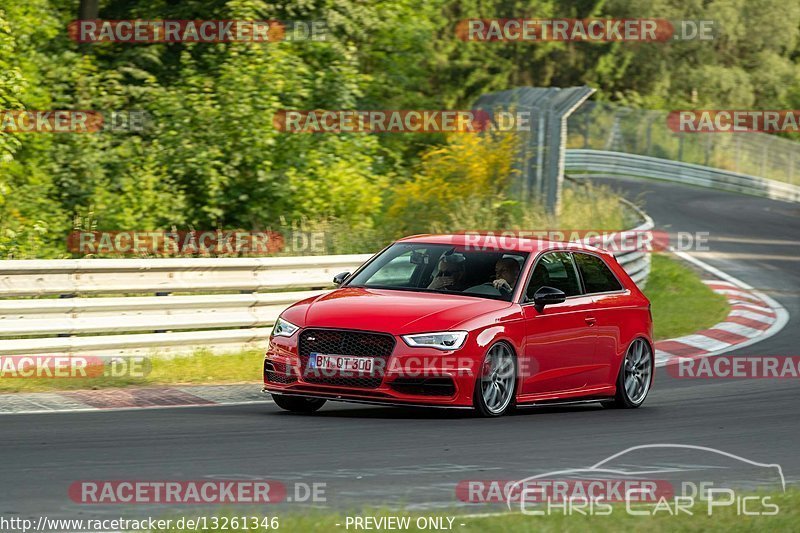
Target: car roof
column 504, row 242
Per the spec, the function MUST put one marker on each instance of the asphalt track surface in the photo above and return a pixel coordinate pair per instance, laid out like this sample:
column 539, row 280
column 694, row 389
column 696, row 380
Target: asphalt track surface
column 413, row 459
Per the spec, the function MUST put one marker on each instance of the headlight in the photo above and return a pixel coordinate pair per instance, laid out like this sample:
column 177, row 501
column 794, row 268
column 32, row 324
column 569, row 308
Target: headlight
column 283, row 328
column 445, row 340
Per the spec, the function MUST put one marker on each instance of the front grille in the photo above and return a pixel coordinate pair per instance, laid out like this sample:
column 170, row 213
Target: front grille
column 278, row 372
column 345, row 342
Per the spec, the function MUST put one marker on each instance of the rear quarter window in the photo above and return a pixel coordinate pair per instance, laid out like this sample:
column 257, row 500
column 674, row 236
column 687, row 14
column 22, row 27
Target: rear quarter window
column 597, row 277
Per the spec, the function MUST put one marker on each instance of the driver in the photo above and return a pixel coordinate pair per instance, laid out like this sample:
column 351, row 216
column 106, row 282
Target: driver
column 451, row 273
column 506, row 272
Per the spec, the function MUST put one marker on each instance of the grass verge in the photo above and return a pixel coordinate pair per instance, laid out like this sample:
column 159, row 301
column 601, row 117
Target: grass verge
column 682, row 304
column 200, row 368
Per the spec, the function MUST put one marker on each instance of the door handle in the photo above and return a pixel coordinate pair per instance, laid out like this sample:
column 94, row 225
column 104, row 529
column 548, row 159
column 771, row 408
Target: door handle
column 590, row 320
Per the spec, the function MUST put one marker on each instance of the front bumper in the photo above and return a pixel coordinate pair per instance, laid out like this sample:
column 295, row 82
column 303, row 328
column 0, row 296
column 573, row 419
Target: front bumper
column 409, row 376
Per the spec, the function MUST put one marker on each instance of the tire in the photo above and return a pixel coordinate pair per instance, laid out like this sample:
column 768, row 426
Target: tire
column 635, row 362
column 298, row 404
column 498, row 372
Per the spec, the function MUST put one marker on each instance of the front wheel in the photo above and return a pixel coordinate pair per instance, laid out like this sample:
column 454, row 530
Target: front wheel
column 635, row 376
column 495, row 386
column 298, row 404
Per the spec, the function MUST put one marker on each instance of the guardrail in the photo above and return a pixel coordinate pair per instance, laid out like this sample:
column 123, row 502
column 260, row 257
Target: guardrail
column 64, row 318
column 665, row 169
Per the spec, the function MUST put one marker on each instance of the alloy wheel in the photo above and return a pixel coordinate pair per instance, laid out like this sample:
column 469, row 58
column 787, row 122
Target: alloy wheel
column 497, row 378
column 637, row 371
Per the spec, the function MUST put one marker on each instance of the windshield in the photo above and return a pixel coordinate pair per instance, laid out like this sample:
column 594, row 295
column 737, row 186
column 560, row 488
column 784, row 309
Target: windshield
column 445, row 269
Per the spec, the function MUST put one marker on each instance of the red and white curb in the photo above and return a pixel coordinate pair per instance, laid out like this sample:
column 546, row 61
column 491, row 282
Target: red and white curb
column 754, row 316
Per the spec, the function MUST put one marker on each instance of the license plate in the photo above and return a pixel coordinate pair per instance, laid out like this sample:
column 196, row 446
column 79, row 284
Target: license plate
column 344, row 363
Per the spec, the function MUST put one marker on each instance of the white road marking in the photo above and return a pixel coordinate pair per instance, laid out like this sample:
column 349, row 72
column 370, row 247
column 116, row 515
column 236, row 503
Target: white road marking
column 746, row 296
column 702, row 342
column 743, row 240
column 752, row 307
column 718, row 282
column 739, row 329
column 748, row 257
column 752, row 316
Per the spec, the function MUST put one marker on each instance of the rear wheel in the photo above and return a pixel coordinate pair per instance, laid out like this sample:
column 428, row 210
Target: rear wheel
column 297, row 404
column 635, row 376
column 496, row 384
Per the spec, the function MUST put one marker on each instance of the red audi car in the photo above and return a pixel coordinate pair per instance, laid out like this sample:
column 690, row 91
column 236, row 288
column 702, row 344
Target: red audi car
column 468, row 321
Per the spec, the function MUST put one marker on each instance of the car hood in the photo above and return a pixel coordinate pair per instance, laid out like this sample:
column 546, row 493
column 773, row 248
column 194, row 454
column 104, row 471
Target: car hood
column 391, row 311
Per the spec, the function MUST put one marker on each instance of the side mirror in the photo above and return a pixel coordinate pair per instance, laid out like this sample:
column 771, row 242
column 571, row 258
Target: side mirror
column 338, row 279
column 548, row 296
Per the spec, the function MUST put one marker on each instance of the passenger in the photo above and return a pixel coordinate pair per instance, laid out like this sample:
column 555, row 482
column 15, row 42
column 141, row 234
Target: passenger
column 451, row 273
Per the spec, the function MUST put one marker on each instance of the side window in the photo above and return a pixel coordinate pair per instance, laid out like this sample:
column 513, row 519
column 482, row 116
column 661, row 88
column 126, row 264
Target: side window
column 398, row 271
column 597, row 277
column 557, row 270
